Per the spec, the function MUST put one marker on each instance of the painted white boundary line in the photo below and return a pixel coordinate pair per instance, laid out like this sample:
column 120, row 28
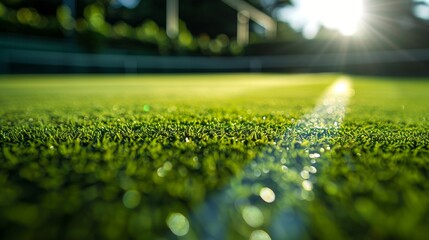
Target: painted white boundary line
column 280, row 177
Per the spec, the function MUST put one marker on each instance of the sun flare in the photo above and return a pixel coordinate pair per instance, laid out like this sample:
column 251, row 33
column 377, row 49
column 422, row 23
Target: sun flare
column 309, row 16
column 342, row 15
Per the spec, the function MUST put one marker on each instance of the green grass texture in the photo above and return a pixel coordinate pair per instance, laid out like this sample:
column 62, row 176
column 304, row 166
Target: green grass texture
column 213, row 156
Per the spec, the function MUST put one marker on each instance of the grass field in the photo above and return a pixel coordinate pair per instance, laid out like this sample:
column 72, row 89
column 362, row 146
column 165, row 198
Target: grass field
column 235, row 156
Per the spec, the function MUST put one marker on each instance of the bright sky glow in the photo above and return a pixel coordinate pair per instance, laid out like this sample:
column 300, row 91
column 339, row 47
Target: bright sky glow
column 421, row 9
column 129, row 3
column 309, row 16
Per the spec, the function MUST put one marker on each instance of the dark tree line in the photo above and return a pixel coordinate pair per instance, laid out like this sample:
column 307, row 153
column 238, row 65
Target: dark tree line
column 387, row 24
column 214, row 17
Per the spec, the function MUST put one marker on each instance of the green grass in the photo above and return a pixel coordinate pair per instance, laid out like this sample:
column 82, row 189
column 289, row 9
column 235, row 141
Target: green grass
column 116, row 157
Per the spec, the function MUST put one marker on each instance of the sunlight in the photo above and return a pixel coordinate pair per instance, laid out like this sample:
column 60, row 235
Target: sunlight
column 309, row 16
column 342, row 86
column 341, row 15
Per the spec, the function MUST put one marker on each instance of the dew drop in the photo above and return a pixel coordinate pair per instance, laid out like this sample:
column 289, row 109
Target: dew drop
column 178, row 224
column 284, row 168
column 267, row 195
column 161, row 172
column 257, row 173
column 131, row 199
column 168, row 166
column 253, row 216
column 307, row 185
column 305, row 174
column 259, row 235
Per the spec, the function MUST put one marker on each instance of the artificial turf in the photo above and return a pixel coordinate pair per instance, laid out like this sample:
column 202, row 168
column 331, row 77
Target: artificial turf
column 189, row 156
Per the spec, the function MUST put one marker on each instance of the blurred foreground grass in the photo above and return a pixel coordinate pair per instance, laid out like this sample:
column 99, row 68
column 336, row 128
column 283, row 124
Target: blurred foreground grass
column 144, row 156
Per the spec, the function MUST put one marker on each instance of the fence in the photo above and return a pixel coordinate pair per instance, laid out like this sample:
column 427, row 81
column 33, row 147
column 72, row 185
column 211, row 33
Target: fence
column 29, row 61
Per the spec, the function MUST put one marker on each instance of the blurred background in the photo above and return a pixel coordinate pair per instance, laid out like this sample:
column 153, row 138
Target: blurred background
column 388, row 37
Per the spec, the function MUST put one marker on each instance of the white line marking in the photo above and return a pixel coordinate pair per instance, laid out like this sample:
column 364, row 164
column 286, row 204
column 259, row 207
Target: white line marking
column 265, row 196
